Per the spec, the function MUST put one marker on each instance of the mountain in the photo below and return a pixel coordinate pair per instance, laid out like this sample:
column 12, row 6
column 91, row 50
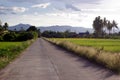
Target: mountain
column 64, row 28
column 52, row 28
column 19, row 27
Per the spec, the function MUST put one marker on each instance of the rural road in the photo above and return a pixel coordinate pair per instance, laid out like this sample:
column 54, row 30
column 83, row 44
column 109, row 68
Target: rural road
column 44, row 61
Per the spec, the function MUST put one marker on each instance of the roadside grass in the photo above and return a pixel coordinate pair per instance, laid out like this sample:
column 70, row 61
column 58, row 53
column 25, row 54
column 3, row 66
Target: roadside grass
column 10, row 50
column 109, row 45
column 108, row 58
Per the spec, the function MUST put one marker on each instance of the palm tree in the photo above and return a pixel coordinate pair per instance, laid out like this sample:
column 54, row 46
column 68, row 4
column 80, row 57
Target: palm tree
column 98, row 26
column 109, row 26
column 114, row 25
column 105, row 24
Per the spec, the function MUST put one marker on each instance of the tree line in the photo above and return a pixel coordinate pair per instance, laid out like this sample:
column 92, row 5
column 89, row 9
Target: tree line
column 22, row 35
column 102, row 29
column 101, row 26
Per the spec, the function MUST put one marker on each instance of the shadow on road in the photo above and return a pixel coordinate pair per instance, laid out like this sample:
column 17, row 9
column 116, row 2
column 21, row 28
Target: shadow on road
column 89, row 66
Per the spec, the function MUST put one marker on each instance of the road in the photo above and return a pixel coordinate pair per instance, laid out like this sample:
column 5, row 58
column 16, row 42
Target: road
column 44, row 61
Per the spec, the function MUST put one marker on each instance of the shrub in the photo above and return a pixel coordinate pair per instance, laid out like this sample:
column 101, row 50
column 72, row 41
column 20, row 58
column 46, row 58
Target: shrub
column 1, row 38
column 10, row 36
column 24, row 36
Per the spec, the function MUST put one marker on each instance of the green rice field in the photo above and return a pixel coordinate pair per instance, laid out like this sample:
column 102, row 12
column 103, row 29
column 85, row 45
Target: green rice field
column 10, row 50
column 9, row 44
column 111, row 45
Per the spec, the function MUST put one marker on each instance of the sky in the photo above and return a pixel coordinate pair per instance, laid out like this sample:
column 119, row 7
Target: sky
column 78, row 13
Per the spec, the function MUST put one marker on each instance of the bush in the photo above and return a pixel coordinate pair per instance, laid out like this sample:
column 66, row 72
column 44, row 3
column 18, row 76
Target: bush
column 19, row 36
column 10, row 36
column 24, row 36
column 35, row 34
column 1, row 38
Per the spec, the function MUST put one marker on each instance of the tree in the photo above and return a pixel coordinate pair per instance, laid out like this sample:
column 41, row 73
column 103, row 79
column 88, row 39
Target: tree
column 105, row 24
column 1, row 28
column 114, row 25
column 5, row 26
column 0, row 23
column 98, row 26
column 109, row 26
column 101, row 25
column 32, row 28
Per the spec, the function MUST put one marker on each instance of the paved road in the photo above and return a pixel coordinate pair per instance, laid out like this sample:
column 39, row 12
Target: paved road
column 44, row 61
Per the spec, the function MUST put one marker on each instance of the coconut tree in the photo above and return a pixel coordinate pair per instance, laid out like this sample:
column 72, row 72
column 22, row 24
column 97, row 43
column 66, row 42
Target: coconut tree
column 109, row 26
column 98, row 26
column 105, row 21
column 114, row 25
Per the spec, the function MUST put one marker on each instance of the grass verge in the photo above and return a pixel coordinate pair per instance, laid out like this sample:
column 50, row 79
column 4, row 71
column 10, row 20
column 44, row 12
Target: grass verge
column 10, row 50
column 108, row 59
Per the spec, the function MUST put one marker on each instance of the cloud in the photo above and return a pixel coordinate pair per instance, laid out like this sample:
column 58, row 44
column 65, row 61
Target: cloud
column 69, row 6
column 66, row 1
column 44, row 5
column 18, row 9
column 5, row 10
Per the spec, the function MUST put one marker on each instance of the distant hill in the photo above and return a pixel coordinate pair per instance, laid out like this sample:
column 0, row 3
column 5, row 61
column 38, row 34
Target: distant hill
column 52, row 28
column 19, row 27
column 64, row 28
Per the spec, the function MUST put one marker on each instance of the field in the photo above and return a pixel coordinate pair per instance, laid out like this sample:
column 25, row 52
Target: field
column 10, row 50
column 110, row 45
column 105, row 52
column 9, row 44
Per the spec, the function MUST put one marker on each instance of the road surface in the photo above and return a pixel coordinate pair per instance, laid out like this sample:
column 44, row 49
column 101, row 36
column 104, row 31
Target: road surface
column 44, row 61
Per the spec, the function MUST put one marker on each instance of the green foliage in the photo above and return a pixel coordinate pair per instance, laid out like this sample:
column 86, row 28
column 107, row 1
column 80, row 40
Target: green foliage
column 10, row 50
column 110, row 45
column 5, row 26
column 32, row 28
column 9, row 36
column 24, row 36
column 19, row 36
column 98, row 26
column 53, row 34
column 101, row 25
column 1, row 38
column 35, row 34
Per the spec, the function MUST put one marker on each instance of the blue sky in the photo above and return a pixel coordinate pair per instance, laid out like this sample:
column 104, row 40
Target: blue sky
column 58, row 12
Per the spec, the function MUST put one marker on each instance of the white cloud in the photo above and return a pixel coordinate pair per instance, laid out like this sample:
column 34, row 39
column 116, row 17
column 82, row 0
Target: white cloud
column 6, row 10
column 18, row 9
column 44, row 5
column 66, row 12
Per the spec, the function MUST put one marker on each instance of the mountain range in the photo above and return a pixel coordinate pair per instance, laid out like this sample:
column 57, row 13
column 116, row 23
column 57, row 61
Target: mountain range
column 52, row 28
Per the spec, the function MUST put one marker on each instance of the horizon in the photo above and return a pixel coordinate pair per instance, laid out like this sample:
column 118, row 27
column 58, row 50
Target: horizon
column 78, row 13
column 45, row 26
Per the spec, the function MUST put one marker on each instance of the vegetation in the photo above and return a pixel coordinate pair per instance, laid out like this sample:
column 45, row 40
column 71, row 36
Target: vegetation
column 98, row 55
column 66, row 34
column 100, row 25
column 10, row 50
column 22, row 35
column 9, row 47
column 109, row 45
